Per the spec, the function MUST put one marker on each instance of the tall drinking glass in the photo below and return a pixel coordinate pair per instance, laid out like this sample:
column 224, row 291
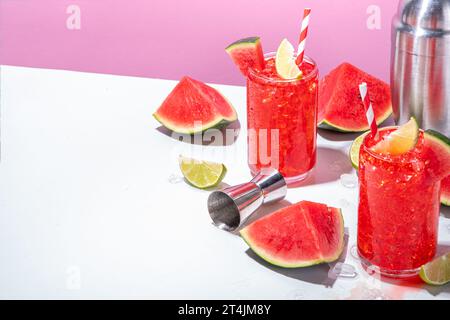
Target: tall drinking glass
column 398, row 210
column 282, row 120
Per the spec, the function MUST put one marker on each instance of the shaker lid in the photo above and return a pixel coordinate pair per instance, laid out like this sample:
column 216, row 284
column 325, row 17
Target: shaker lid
column 428, row 15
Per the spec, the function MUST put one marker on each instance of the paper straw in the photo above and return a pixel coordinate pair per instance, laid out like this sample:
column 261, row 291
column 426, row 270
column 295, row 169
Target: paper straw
column 303, row 35
column 369, row 108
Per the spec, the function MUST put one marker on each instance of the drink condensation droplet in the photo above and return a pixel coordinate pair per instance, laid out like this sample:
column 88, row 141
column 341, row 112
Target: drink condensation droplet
column 174, row 179
column 342, row 270
column 349, row 180
column 417, row 165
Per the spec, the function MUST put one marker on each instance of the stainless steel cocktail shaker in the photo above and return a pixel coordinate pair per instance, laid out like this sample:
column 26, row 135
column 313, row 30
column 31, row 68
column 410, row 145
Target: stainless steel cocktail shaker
column 420, row 63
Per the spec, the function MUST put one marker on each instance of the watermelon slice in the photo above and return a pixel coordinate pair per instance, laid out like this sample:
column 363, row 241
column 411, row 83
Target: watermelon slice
column 340, row 105
column 445, row 191
column 247, row 53
column 437, row 153
column 194, row 107
column 300, row 235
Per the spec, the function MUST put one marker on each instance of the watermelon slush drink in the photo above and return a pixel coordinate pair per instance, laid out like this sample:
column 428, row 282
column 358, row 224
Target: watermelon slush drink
column 398, row 210
column 282, row 120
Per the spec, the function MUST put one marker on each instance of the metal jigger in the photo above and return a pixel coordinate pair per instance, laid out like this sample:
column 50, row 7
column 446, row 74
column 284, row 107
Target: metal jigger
column 231, row 207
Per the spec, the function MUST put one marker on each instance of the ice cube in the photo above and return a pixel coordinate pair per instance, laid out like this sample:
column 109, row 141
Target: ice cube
column 342, row 270
column 373, row 294
column 174, row 178
column 417, row 165
column 349, row 180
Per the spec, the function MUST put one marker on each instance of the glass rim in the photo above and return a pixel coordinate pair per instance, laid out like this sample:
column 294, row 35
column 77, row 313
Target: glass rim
column 308, row 77
column 374, row 154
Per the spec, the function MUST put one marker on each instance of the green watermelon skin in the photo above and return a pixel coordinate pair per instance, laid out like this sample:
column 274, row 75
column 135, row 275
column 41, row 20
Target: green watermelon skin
column 340, row 105
column 191, row 103
column 301, row 235
column 247, row 54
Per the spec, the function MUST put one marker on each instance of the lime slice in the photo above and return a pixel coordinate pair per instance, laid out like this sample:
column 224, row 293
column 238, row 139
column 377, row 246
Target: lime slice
column 436, row 272
column 400, row 141
column 354, row 150
column 202, row 174
column 285, row 61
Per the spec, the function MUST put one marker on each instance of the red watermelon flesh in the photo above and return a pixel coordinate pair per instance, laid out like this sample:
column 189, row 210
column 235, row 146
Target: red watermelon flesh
column 340, row 104
column 436, row 153
column 193, row 106
column 445, row 191
column 300, row 235
column 247, row 54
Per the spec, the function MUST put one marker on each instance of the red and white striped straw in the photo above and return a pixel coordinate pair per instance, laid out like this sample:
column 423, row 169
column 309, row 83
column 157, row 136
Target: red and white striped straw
column 369, row 108
column 303, row 35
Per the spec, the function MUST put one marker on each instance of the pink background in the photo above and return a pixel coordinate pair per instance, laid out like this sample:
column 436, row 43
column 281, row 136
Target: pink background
column 171, row 38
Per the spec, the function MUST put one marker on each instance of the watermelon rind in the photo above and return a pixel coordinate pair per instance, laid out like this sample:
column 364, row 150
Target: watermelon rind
column 217, row 123
column 250, row 41
column 438, row 137
column 444, row 142
column 246, row 54
column 300, row 263
column 328, row 125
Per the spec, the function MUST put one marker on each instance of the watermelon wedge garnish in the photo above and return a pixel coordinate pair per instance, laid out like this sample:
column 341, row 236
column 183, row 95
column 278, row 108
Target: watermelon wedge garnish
column 300, row 235
column 247, row 53
column 340, row 104
column 194, row 107
column 437, row 155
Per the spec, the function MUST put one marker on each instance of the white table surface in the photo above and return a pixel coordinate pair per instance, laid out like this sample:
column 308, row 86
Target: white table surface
column 87, row 209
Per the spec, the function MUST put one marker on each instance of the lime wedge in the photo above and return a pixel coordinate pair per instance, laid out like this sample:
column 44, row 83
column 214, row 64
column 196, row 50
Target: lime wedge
column 354, row 149
column 285, row 61
column 436, row 272
column 400, row 141
column 202, row 174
